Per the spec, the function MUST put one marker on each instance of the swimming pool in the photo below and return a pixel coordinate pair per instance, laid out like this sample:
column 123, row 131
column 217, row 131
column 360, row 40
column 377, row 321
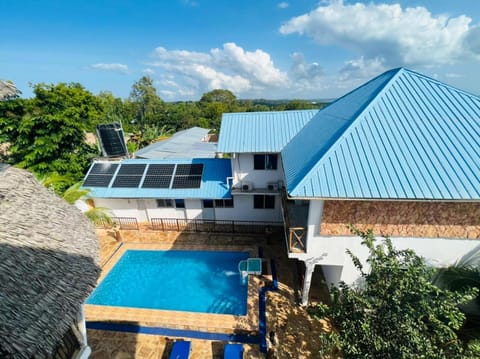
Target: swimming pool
column 191, row 281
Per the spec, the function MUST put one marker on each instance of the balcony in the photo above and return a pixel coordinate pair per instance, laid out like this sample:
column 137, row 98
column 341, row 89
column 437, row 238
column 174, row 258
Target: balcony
column 247, row 187
column 295, row 217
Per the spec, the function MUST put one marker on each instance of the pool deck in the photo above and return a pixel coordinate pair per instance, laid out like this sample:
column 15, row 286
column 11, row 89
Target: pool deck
column 215, row 323
column 296, row 332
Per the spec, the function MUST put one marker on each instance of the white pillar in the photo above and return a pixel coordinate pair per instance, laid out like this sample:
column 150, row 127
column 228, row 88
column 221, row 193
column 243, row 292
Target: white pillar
column 307, row 281
column 85, row 350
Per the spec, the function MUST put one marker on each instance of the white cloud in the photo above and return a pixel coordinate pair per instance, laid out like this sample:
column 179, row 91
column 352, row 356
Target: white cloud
column 115, row 67
column 399, row 36
column 453, row 75
column 148, row 71
column 283, row 5
column 359, row 70
column 231, row 67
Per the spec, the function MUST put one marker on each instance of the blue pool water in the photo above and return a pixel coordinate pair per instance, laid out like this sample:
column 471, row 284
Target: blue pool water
column 192, row 281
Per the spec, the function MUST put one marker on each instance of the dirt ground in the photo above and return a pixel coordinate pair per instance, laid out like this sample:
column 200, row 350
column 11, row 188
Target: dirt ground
column 291, row 331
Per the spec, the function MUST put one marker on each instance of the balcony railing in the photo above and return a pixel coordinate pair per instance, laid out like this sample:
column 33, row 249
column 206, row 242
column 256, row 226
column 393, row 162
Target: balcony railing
column 295, row 220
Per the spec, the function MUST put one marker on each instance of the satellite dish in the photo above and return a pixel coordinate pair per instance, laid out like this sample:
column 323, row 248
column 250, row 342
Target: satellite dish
column 112, row 140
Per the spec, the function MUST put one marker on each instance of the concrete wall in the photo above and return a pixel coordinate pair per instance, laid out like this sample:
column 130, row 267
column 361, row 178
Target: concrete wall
column 242, row 169
column 244, row 211
column 440, row 232
column 403, row 219
column 145, row 209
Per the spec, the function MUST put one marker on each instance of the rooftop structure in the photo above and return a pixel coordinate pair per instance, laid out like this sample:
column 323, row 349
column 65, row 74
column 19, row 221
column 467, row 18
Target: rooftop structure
column 48, row 265
column 269, row 132
column 191, row 143
column 401, row 135
column 168, row 178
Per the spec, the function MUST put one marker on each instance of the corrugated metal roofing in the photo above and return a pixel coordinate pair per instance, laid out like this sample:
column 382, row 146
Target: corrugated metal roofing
column 269, row 132
column 183, row 144
column 213, row 185
column 400, row 136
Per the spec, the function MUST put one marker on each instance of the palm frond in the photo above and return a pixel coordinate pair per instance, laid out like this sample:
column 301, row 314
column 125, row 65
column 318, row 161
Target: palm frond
column 99, row 215
column 74, row 193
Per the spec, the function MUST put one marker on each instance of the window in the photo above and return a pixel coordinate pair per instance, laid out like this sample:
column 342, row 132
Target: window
column 180, row 203
column 208, row 203
column 262, row 201
column 162, row 203
column 224, row 203
column 265, row 162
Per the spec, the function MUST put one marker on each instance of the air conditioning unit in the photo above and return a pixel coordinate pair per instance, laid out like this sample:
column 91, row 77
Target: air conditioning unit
column 247, row 186
column 272, row 186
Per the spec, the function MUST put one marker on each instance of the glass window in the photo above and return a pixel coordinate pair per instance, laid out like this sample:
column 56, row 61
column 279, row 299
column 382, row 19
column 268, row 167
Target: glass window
column 224, row 203
column 258, row 201
column 207, row 203
column 180, row 203
column 271, row 162
column 164, row 203
column 265, row 162
column 262, row 201
column 258, row 162
column 269, row 201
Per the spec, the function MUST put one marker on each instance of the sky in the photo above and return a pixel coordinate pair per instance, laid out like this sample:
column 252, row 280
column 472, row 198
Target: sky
column 255, row 48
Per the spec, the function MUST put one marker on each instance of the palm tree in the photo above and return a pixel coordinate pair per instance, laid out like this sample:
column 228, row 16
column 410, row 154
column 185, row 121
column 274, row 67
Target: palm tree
column 465, row 273
column 98, row 215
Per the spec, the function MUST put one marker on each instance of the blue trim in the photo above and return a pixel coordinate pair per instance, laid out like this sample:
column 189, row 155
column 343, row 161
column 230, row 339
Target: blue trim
column 262, row 328
column 168, row 332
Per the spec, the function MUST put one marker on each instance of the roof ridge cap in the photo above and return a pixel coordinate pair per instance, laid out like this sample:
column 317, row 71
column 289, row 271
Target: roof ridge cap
column 388, row 84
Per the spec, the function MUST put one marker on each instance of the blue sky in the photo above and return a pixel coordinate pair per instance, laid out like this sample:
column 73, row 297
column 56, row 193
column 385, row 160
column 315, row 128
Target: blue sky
column 257, row 49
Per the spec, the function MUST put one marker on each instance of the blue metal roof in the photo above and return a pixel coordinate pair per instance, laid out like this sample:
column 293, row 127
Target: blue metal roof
column 188, row 143
column 213, row 184
column 269, row 132
column 401, row 135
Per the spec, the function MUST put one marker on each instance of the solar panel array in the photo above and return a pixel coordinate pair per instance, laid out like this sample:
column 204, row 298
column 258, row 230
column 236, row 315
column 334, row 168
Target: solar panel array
column 100, row 175
column 157, row 175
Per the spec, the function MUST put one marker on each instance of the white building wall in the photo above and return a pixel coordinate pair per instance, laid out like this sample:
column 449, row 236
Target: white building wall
column 119, row 207
column 193, row 208
column 330, row 252
column 243, row 211
column 242, row 169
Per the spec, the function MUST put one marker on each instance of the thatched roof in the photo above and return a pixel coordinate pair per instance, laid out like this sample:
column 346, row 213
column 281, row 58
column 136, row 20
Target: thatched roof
column 7, row 90
column 48, row 265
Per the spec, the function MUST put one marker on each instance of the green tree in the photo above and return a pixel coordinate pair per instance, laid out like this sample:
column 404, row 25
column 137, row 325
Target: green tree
column 215, row 103
column 397, row 312
column 219, row 95
column 48, row 133
column 148, row 106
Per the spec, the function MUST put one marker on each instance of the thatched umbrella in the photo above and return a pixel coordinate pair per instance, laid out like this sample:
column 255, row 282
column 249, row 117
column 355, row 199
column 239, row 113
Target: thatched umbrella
column 7, row 90
column 48, row 265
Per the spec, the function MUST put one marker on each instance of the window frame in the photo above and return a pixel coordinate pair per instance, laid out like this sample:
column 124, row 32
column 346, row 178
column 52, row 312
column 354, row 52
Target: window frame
column 265, row 161
column 263, row 201
column 165, row 203
column 224, row 203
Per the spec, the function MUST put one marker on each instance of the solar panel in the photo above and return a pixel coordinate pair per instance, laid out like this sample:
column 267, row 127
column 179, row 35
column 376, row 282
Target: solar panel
column 132, row 169
column 160, row 170
column 187, row 182
column 97, row 180
column 156, row 182
column 189, row 169
column 127, row 181
column 103, row 168
column 112, row 139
